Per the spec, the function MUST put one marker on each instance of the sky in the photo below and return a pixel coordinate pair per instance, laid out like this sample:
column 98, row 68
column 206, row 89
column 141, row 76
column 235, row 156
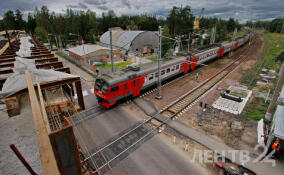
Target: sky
column 242, row 10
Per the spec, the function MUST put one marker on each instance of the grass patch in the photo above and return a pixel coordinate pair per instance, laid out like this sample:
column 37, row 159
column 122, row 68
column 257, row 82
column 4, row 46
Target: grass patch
column 77, row 65
column 271, row 40
column 267, row 58
column 239, row 94
column 152, row 58
column 120, row 65
column 256, row 109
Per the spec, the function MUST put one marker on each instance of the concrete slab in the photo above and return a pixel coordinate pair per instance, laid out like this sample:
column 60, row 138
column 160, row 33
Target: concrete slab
column 230, row 105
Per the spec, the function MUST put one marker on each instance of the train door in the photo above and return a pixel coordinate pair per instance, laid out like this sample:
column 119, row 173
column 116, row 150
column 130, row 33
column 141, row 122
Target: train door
column 193, row 63
column 236, row 45
column 185, row 65
column 220, row 52
column 126, row 88
column 136, row 87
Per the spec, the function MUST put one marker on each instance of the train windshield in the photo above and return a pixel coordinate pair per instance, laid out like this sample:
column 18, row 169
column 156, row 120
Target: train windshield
column 98, row 84
column 105, row 88
column 101, row 85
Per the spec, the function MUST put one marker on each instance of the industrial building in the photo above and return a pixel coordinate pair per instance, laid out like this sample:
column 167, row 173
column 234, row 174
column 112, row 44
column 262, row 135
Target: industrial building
column 91, row 53
column 140, row 42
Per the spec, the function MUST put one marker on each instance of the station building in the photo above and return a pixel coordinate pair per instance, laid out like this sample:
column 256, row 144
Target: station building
column 91, row 53
column 140, row 42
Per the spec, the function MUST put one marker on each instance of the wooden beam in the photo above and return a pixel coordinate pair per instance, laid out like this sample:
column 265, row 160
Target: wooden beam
column 44, row 114
column 47, row 157
column 80, row 94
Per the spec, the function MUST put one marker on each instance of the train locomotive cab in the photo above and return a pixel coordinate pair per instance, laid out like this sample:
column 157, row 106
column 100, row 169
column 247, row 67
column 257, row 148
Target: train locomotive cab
column 101, row 90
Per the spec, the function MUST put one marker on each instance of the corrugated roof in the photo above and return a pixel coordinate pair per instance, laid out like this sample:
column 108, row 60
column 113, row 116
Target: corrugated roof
column 279, row 122
column 120, row 38
column 86, row 49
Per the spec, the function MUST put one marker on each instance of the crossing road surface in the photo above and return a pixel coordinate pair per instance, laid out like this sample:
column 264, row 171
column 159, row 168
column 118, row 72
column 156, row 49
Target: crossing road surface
column 156, row 157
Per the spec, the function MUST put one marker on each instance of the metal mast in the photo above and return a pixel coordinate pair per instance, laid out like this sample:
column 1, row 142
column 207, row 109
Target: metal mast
column 234, row 38
column 213, row 35
column 159, row 95
column 111, row 56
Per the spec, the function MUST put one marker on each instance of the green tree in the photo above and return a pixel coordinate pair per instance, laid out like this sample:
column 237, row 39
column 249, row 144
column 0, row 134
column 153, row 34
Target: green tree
column 41, row 33
column 19, row 22
column 31, row 24
column 9, row 20
column 180, row 20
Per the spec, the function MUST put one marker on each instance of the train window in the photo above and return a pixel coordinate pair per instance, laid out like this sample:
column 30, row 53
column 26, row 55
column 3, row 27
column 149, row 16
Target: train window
column 104, row 88
column 173, row 68
column 113, row 89
column 134, row 83
column 156, row 74
column 177, row 67
column 163, row 72
column 151, row 77
column 168, row 70
column 125, row 86
column 138, row 82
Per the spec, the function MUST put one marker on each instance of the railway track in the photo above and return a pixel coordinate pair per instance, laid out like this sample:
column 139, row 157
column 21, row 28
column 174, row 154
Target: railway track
column 88, row 114
column 130, row 140
column 190, row 97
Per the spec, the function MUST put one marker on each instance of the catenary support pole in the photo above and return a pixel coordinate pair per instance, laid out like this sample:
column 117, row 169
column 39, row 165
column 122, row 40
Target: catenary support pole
column 159, row 95
column 111, row 56
column 234, row 38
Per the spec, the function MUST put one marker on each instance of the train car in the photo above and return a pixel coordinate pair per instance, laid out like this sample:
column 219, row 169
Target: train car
column 131, row 81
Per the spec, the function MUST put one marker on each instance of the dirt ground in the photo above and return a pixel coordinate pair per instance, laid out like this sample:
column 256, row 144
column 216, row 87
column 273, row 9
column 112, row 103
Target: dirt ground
column 217, row 123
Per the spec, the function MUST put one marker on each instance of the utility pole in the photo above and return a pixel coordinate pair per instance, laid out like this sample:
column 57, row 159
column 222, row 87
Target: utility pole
column 159, row 95
column 111, row 56
column 213, row 35
column 60, row 42
column 56, row 41
column 188, row 42
column 280, row 35
column 234, row 37
column 276, row 94
column 49, row 42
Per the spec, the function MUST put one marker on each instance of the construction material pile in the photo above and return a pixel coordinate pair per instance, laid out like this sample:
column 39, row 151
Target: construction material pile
column 25, row 47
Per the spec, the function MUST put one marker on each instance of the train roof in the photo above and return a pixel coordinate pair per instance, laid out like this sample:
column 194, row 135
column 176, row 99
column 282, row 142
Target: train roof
column 128, row 73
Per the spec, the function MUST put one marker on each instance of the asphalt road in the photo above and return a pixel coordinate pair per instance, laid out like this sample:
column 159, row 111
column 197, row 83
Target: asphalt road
column 155, row 157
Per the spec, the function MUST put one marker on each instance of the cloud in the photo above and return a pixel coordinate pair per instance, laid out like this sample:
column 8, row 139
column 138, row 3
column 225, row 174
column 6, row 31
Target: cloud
column 78, row 6
column 103, row 7
column 126, row 3
column 95, row 2
column 241, row 9
column 83, row 6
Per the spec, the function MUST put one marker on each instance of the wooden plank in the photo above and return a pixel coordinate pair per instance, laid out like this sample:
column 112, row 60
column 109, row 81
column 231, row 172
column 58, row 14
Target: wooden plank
column 6, row 46
column 47, row 157
column 44, row 114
